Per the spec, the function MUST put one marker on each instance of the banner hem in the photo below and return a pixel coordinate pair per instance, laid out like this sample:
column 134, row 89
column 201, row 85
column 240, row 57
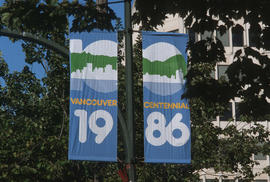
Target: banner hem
column 168, row 161
column 73, row 157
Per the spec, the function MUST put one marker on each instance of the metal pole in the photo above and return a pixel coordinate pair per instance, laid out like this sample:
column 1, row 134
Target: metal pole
column 129, row 91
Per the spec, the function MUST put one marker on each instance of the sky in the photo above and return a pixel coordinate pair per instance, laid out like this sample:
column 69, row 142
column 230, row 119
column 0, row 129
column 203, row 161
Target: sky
column 14, row 55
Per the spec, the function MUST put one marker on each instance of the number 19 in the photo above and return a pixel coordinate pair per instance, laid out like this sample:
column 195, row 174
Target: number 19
column 101, row 132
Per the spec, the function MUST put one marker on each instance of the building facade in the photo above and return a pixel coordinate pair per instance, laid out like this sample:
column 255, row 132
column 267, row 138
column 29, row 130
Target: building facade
column 233, row 40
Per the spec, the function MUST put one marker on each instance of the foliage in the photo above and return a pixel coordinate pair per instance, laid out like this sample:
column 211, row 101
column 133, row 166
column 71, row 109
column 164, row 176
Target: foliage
column 226, row 149
column 215, row 15
column 34, row 113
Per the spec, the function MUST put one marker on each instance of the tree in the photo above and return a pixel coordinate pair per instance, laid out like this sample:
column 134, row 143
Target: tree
column 205, row 15
column 34, row 113
column 229, row 149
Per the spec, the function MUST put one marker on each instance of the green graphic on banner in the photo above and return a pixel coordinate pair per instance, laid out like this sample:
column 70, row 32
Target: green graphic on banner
column 93, row 96
column 167, row 68
column 97, row 61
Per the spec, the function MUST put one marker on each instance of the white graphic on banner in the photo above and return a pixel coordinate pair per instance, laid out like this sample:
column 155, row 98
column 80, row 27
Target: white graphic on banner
column 156, row 122
column 101, row 132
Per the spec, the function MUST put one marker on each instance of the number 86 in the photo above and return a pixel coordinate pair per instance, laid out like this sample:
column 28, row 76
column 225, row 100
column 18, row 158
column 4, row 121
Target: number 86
column 156, row 122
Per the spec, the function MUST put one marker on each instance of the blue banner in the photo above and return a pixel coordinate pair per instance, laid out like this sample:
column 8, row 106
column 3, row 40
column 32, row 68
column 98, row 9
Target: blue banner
column 93, row 96
column 166, row 115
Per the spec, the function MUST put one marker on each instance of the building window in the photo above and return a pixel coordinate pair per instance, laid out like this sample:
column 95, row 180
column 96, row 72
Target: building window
column 222, row 71
column 224, row 38
column 192, row 36
column 213, row 74
column 211, row 180
column 206, row 35
column 237, row 111
column 237, row 36
column 253, row 38
column 260, row 157
column 227, row 115
column 258, row 180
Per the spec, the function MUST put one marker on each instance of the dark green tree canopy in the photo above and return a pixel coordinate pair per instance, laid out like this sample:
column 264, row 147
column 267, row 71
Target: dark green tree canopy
column 248, row 75
column 204, row 14
column 34, row 112
column 216, row 15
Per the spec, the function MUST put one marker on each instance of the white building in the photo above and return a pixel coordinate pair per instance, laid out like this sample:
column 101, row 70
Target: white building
column 232, row 42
